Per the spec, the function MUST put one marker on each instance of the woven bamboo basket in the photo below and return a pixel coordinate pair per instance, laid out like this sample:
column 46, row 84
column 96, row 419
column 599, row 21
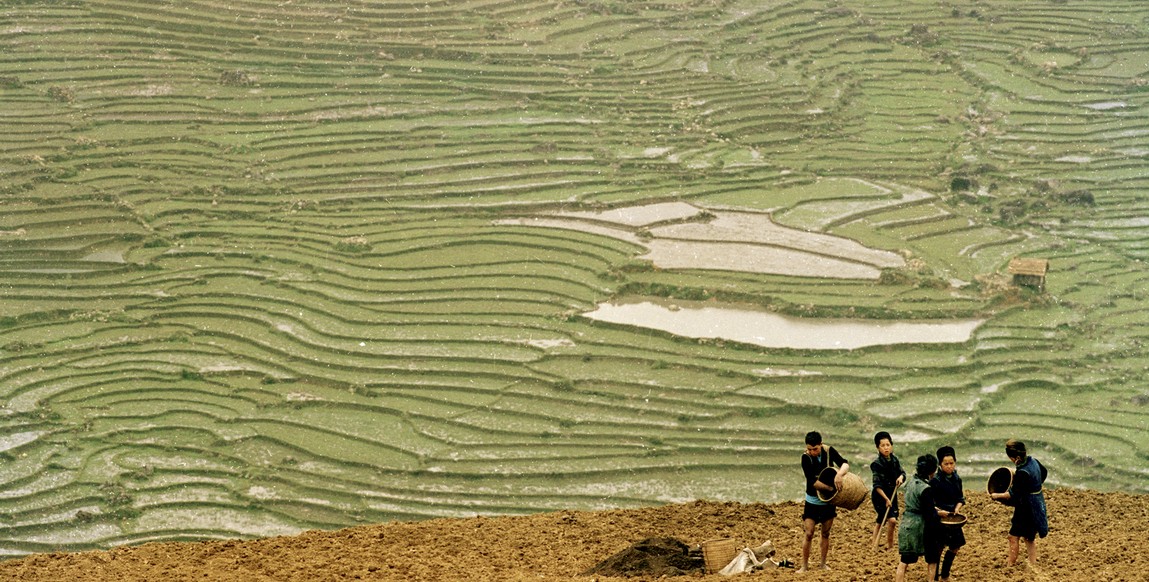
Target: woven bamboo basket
column 1000, row 481
column 954, row 520
column 849, row 496
column 717, row 553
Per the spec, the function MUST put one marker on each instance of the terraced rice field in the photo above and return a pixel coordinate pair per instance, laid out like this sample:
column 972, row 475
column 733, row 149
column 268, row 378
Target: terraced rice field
column 270, row 266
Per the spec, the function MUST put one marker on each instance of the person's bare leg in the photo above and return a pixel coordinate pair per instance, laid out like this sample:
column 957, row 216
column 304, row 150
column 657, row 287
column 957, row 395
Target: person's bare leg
column 825, row 549
column 931, row 570
column 1031, row 549
column 891, row 528
column 808, row 524
column 877, row 530
column 901, row 575
column 1012, row 558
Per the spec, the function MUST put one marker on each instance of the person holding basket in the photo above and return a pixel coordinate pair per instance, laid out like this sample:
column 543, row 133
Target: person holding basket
column 817, row 458
column 949, row 496
column 1029, row 520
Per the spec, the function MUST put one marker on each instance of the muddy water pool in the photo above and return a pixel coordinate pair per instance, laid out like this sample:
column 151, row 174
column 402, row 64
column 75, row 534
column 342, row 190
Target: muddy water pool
column 772, row 330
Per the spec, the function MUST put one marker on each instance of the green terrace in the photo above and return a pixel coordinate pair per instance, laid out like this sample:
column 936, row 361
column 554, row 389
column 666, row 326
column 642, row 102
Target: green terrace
column 268, row 267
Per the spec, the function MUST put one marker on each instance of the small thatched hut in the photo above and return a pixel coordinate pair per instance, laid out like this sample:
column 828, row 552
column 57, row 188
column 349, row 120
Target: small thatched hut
column 1029, row 272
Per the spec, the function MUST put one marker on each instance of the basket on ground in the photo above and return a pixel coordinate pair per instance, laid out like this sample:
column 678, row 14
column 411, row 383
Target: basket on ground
column 1000, row 481
column 717, row 553
column 849, row 496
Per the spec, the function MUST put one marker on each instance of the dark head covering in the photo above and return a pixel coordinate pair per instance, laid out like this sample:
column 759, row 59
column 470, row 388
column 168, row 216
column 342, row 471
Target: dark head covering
column 927, row 465
column 882, row 435
column 946, row 451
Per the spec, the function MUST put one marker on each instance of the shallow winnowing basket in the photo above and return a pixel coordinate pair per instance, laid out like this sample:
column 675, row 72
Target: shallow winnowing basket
column 954, row 520
column 1000, row 481
column 717, row 553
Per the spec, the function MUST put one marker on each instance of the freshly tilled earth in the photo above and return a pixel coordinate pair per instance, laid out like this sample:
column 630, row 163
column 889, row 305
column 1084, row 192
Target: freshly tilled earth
column 1094, row 537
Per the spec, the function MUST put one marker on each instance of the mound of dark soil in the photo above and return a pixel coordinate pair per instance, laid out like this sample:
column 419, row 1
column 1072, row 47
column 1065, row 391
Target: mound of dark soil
column 652, row 557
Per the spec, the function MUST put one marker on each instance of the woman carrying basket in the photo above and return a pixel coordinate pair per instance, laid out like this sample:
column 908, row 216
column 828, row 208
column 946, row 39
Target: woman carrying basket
column 1024, row 494
column 949, row 497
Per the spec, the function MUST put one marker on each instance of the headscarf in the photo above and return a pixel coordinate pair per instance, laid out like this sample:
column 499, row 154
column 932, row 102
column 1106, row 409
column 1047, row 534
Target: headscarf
column 927, row 465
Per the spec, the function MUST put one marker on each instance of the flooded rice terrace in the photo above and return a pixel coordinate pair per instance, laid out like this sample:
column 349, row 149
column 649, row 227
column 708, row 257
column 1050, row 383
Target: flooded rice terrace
column 778, row 331
column 272, row 268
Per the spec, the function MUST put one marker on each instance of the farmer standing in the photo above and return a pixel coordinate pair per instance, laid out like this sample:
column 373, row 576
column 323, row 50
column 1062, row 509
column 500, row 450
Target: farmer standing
column 1024, row 494
column 949, row 496
column 919, row 534
column 888, row 476
column 815, row 511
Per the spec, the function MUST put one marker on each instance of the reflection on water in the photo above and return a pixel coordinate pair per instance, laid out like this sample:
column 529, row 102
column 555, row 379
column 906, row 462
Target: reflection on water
column 779, row 331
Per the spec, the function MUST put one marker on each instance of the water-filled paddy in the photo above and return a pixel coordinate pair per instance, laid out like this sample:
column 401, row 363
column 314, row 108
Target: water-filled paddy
column 770, row 330
column 262, row 275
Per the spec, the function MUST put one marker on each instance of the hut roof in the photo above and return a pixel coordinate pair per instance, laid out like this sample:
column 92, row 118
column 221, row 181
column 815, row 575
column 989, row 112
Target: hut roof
column 1036, row 267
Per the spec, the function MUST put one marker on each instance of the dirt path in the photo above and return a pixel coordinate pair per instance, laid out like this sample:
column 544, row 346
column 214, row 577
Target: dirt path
column 1094, row 537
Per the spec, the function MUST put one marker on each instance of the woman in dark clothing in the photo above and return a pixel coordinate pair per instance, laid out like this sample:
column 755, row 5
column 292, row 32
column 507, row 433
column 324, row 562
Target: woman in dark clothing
column 949, row 497
column 1024, row 494
column 920, row 531
column 887, row 472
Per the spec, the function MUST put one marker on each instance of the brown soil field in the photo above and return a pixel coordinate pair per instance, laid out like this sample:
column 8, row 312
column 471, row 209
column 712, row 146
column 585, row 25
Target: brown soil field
column 1093, row 537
